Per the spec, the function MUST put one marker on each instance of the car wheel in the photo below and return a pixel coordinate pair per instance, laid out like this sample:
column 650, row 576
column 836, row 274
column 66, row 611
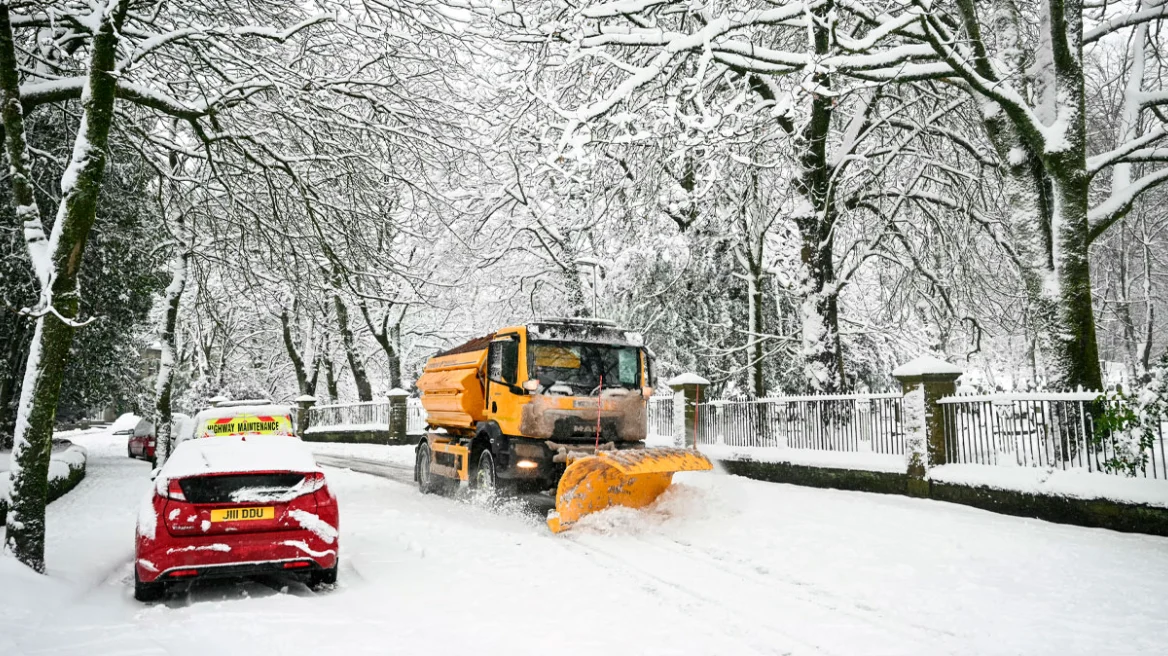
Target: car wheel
column 323, row 577
column 148, row 591
column 426, row 482
column 129, row 451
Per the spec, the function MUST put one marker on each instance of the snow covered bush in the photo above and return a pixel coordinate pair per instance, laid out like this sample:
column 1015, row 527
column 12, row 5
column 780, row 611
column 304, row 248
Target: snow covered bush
column 66, row 469
column 1128, row 426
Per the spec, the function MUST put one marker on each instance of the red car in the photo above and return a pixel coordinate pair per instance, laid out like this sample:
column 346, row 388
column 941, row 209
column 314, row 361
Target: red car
column 237, row 506
column 141, row 442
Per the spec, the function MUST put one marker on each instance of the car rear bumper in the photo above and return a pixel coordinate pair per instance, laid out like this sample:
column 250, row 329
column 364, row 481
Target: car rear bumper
column 233, row 555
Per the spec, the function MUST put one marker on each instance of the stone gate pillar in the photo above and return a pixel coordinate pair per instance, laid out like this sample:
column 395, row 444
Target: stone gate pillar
column 397, row 415
column 923, row 382
column 688, row 390
column 303, row 402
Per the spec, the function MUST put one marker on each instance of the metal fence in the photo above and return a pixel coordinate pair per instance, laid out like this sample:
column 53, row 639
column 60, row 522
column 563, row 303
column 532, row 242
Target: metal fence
column 851, row 422
column 1056, row 430
column 660, row 416
column 366, row 416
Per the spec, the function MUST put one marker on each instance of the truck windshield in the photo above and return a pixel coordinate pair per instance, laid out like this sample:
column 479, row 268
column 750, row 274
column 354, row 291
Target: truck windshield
column 580, row 365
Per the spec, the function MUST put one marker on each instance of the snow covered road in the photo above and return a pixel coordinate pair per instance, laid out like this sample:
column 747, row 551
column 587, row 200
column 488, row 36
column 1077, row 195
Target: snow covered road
column 722, row 565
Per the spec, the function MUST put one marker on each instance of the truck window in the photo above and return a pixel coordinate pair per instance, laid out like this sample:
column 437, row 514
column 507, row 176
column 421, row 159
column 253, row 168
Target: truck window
column 583, row 366
column 504, row 361
column 627, row 367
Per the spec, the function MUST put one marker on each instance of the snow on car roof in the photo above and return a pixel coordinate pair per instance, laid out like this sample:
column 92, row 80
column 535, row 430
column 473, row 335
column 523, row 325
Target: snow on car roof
column 266, row 410
column 239, row 453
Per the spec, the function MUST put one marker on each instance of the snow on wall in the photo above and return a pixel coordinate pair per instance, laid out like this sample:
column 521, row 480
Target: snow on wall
column 1056, row 482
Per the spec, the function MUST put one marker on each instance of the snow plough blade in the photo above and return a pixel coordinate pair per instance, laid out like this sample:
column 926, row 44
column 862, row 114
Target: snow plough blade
column 632, row 478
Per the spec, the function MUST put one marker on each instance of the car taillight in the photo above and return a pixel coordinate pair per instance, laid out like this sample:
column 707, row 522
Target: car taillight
column 312, row 482
column 170, row 489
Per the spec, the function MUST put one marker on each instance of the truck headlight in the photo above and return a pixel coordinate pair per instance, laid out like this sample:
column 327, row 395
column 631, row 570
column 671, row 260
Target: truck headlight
column 527, row 464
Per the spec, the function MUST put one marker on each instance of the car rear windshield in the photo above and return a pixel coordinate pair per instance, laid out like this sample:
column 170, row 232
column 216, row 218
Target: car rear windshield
column 239, row 488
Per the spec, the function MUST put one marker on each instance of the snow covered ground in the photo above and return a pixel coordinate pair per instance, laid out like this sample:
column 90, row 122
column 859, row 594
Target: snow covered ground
column 721, row 565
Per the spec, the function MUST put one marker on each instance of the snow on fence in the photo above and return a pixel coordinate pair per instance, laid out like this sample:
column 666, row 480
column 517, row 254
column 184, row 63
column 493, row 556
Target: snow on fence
column 365, row 416
column 1044, row 429
column 848, row 422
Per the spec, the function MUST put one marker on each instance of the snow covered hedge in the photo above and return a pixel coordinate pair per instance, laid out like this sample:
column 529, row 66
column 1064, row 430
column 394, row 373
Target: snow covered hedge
column 66, row 469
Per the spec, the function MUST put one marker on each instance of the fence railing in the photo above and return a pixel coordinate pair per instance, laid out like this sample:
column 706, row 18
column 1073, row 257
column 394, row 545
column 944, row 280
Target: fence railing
column 660, row 416
column 1029, row 430
column 1056, row 430
column 852, row 422
column 366, row 416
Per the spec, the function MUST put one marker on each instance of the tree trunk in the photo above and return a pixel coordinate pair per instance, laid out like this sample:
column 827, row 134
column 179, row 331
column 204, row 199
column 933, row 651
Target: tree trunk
column 364, row 390
column 389, row 338
column 305, row 383
column 1123, row 311
column 330, row 379
column 395, row 370
column 1048, row 193
column 823, row 360
column 1076, row 349
column 54, row 331
column 1149, row 309
column 164, row 437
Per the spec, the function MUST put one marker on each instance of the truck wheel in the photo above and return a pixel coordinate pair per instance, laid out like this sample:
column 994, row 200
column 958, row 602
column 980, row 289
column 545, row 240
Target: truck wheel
column 484, row 478
column 426, row 482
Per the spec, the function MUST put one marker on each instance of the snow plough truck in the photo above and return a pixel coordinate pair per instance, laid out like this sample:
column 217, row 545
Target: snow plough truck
column 558, row 404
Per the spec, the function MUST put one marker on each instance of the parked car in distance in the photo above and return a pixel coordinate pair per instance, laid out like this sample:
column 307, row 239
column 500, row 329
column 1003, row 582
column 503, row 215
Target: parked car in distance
column 124, row 424
column 236, row 506
column 141, row 443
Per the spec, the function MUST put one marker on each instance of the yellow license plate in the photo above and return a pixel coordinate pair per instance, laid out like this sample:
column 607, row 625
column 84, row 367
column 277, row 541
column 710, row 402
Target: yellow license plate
column 242, row 514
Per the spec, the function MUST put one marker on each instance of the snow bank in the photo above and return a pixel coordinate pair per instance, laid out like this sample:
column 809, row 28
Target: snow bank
column 864, row 461
column 238, row 453
column 1056, row 482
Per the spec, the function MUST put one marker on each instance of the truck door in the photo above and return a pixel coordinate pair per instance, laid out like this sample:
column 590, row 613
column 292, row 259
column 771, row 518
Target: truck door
column 502, row 375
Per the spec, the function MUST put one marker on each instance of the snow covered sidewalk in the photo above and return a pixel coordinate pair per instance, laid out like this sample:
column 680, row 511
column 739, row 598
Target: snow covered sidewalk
column 721, row 565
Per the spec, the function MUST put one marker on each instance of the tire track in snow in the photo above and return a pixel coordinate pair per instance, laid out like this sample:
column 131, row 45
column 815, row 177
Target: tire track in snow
column 718, row 615
column 673, row 564
column 807, row 592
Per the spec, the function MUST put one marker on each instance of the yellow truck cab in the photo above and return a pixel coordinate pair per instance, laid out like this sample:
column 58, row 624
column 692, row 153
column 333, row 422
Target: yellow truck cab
column 510, row 406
